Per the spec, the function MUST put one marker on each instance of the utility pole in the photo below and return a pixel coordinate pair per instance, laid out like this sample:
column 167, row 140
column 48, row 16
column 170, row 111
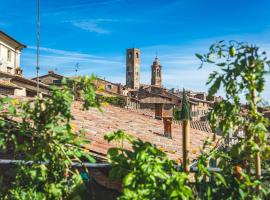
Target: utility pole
column 38, row 46
column 185, row 117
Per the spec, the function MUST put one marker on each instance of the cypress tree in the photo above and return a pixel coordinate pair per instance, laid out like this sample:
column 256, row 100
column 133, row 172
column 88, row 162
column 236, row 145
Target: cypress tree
column 185, row 111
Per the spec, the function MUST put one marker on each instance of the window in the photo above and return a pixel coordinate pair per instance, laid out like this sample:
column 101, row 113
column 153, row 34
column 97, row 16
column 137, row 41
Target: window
column 9, row 55
column 158, row 73
column 137, row 55
column 109, row 87
column 18, row 71
column 56, row 82
column 9, row 69
column 129, row 55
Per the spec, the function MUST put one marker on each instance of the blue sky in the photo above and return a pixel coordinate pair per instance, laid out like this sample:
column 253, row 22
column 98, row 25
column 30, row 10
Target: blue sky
column 95, row 34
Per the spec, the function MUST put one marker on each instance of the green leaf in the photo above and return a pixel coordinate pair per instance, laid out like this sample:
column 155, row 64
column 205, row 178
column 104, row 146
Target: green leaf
column 199, row 56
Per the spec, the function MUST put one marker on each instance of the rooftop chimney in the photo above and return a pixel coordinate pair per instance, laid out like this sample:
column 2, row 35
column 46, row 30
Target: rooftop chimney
column 158, row 111
column 167, row 121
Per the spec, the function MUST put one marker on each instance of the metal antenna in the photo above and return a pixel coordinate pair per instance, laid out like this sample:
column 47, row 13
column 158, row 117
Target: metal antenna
column 38, row 46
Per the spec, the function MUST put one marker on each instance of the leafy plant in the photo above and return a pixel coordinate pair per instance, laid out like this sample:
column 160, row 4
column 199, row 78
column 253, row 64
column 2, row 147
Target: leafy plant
column 241, row 71
column 145, row 171
column 226, row 170
column 40, row 131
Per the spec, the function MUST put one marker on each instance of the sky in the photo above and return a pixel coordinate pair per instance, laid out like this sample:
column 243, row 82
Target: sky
column 95, row 34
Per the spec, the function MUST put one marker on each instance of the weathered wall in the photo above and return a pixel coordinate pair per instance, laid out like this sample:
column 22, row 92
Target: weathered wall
column 6, row 91
column 133, row 59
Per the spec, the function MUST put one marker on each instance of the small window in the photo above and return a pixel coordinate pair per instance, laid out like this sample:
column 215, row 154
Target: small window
column 9, row 69
column 137, row 55
column 129, row 55
column 57, row 82
column 9, row 55
column 109, row 87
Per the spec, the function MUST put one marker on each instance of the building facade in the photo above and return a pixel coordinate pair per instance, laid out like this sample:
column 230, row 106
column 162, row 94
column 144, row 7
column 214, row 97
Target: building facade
column 133, row 60
column 156, row 73
column 51, row 78
column 10, row 52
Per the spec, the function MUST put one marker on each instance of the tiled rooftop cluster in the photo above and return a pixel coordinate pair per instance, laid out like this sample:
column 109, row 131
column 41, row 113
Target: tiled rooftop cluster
column 96, row 124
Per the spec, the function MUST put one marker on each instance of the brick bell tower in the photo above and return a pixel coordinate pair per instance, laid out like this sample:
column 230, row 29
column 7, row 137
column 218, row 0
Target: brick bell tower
column 156, row 73
column 133, row 60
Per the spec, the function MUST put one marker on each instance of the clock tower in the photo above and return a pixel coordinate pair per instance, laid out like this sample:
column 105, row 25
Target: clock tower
column 133, row 59
column 156, row 73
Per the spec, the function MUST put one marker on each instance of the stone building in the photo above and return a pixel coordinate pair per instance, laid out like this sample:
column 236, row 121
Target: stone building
column 150, row 96
column 133, row 61
column 51, row 78
column 156, row 73
column 21, row 86
column 110, row 87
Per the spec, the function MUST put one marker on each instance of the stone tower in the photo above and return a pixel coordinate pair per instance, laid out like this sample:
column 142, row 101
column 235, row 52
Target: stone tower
column 133, row 59
column 156, row 73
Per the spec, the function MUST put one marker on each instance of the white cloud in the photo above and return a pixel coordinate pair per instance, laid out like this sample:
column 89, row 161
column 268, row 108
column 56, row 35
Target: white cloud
column 92, row 25
column 65, row 62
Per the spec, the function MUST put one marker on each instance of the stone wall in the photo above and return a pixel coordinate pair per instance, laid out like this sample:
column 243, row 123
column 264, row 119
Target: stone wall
column 6, row 91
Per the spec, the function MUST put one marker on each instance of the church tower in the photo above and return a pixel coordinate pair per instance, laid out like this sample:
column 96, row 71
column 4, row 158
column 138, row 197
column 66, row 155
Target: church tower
column 133, row 59
column 156, row 73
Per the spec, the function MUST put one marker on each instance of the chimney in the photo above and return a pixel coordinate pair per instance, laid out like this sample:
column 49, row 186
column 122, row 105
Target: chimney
column 167, row 121
column 50, row 72
column 158, row 111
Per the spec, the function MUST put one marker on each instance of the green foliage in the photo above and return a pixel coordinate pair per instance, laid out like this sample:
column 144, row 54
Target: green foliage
column 241, row 71
column 40, row 130
column 146, row 172
column 185, row 111
column 177, row 113
column 114, row 100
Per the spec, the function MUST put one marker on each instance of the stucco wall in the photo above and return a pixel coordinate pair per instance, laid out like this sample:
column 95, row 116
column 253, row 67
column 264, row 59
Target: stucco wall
column 14, row 60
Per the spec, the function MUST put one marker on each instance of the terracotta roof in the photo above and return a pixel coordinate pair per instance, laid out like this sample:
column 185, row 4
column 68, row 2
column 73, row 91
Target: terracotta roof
column 199, row 125
column 24, row 79
column 96, row 124
column 150, row 100
column 49, row 74
column 11, row 38
column 7, row 84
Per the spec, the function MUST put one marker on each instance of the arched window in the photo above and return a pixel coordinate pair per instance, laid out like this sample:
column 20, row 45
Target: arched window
column 158, row 72
column 129, row 55
column 137, row 55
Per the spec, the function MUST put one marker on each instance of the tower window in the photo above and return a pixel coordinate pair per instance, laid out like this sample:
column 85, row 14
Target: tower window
column 158, row 73
column 137, row 55
column 130, row 55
